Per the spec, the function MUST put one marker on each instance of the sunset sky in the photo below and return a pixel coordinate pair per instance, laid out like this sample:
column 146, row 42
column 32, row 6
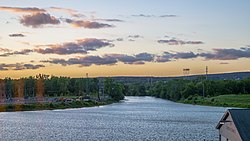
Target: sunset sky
column 123, row 38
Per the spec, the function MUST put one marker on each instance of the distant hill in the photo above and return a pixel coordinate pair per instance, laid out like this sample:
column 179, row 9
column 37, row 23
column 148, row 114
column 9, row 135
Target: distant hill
column 220, row 76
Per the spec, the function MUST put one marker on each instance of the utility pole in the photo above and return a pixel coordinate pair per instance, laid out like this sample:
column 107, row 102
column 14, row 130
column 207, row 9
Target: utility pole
column 101, row 89
column 206, row 72
column 203, row 83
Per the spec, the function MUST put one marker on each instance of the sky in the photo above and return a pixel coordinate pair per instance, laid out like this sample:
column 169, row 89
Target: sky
column 123, row 38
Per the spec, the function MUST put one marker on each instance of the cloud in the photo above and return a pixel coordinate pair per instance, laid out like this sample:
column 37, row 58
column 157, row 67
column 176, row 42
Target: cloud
column 5, row 50
column 167, row 56
column 24, row 43
column 132, row 38
column 17, row 35
column 22, row 52
column 167, row 16
column 150, row 16
column 22, row 10
column 224, row 63
column 72, row 12
column 143, row 15
column 179, row 42
column 132, row 59
column 142, row 58
column 227, row 54
column 107, row 59
column 218, row 54
column 184, row 55
column 110, row 20
column 87, row 24
column 80, row 46
column 19, row 66
column 119, row 39
column 38, row 20
column 83, row 61
column 135, row 36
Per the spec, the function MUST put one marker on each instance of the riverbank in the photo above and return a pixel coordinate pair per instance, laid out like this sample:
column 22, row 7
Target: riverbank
column 240, row 101
column 52, row 105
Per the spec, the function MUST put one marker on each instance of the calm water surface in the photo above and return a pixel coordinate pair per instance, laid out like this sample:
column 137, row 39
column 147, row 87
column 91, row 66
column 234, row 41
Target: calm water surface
column 136, row 118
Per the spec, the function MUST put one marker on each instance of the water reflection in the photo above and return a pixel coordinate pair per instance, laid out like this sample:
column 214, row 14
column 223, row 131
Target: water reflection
column 136, row 118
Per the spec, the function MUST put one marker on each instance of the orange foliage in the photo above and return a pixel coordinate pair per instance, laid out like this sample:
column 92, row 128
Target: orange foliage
column 40, row 89
column 19, row 89
column 2, row 91
column 2, row 108
column 18, row 107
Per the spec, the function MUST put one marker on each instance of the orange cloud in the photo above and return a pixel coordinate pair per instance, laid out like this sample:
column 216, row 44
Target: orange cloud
column 72, row 12
column 22, row 10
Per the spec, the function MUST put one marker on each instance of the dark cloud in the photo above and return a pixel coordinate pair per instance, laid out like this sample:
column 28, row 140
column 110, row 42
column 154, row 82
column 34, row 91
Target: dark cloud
column 167, row 56
column 142, row 58
column 110, row 20
column 132, row 38
column 227, row 54
column 143, row 15
column 218, row 54
column 167, row 16
column 179, row 42
column 19, row 66
column 80, row 46
column 107, row 59
column 119, row 39
column 55, row 61
column 17, row 35
column 135, row 36
column 83, row 61
column 22, row 52
column 87, row 24
column 38, row 20
column 22, row 10
column 184, row 55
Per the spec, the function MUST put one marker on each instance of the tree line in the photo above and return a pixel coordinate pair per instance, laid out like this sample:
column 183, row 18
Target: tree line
column 176, row 89
column 179, row 89
column 44, row 86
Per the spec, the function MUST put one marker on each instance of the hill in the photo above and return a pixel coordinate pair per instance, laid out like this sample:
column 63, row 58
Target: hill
column 219, row 76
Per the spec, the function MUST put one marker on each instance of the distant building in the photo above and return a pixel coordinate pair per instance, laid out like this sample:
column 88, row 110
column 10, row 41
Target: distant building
column 235, row 125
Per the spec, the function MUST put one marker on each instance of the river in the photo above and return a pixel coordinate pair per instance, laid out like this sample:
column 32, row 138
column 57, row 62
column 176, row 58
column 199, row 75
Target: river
column 136, row 118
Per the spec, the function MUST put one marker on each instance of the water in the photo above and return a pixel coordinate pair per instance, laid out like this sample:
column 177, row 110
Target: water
column 137, row 118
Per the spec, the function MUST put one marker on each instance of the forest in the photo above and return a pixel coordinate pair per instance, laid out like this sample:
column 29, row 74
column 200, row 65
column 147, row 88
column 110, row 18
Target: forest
column 176, row 90
column 44, row 86
column 182, row 88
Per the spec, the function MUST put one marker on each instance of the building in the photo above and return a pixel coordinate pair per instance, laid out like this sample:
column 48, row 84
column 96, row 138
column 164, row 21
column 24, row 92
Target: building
column 235, row 125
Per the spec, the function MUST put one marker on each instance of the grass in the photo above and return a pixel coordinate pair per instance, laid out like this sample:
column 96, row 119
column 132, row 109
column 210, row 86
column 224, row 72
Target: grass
column 231, row 100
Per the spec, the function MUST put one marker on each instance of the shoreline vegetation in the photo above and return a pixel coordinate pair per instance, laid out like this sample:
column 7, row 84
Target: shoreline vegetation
column 53, row 105
column 198, row 91
column 237, row 101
